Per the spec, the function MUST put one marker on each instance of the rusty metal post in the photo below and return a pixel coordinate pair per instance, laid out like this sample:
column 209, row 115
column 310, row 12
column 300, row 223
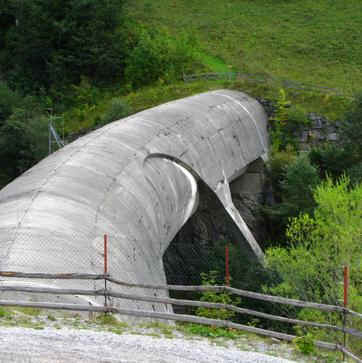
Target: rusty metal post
column 227, row 272
column 105, row 255
column 346, row 285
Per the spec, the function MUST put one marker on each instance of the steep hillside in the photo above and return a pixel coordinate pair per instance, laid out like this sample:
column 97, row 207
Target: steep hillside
column 317, row 42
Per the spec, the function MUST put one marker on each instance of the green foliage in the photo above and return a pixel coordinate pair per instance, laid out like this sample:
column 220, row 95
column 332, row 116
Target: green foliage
column 321, row 245
column 286, row 122
column 108, row 319
column 209, row 331
column 4, row 313
column 298, row 184
column 8, row 101
column 117, row 109
column 305, row 344
column 208, row 279
column 294, row 179
column 346, row 157
column 157, row 56
column 279, row 121
column 355, row 173
column 57, row 42
column 29, row 311
column 23, row 139
column 302, row 45
column 331, row 160
column 351, row 130
column 277, row 165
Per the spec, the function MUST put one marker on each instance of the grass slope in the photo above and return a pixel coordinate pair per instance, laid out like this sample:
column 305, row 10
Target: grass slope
column 314, row 41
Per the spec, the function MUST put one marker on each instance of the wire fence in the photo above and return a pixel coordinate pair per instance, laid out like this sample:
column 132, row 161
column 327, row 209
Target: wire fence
column 264, row 78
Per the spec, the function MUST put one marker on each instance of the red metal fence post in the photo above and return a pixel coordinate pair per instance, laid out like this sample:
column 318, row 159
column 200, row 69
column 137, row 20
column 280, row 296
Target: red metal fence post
column 346, row 285
column 105, row 255
column 227, row 272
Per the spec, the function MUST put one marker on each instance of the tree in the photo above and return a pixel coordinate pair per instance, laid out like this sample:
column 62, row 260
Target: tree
column 320, row 245
column 346, row 156
column 295, row 186
column 23, row 140
column 58, row 41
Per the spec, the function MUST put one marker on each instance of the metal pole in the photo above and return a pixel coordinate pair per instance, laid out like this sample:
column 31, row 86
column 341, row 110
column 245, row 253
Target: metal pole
column 105, row 267
column 227, row 272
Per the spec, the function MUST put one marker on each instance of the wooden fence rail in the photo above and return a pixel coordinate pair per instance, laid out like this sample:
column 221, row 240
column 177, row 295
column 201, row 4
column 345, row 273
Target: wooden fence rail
column 179, row 302
column 59, row 276
column 164, row 316
column 6, row 286
column 244, row 293
column 203, row 288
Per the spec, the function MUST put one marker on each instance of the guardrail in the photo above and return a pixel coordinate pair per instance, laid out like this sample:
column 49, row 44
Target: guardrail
column 106, row 292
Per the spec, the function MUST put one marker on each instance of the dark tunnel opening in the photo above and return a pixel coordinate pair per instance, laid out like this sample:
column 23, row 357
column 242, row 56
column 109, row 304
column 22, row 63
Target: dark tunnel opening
column 199, row 246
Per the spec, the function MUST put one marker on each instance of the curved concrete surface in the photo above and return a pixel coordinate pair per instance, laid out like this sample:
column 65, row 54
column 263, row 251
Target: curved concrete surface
column 134, row 179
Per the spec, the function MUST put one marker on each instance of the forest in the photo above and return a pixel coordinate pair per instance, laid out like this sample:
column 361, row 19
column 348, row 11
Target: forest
column 84, row 63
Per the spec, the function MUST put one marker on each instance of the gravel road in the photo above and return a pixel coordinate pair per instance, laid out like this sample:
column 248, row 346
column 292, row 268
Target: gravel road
column 66, row 345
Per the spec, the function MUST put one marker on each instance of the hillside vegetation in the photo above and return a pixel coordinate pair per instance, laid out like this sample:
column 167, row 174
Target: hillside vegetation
column 317, row 42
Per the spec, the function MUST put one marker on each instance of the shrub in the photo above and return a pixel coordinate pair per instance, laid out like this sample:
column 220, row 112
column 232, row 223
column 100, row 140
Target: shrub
column 297, row 187
column 117, row 109
column 277, row 165
column 331, row 160
column 156, row 55
column 305, row 344
column 321, row 245
column 351, row 130
column 208, row 279
column 23, row 139
column 8, row 101
column 355, row 174
column 294, row 190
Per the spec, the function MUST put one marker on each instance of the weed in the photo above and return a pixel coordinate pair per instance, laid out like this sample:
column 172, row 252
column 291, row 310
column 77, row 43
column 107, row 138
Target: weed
column 305, row 344
column 208, row 331
column 29, row 311
column 51, row 317
column 4, row 313
column 110, row 320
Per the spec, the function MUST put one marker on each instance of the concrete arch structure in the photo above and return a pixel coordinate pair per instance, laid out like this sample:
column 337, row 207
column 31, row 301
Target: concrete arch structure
column 134, row 179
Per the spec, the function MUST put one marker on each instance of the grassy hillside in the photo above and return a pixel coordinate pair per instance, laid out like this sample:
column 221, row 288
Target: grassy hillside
column 314, row 41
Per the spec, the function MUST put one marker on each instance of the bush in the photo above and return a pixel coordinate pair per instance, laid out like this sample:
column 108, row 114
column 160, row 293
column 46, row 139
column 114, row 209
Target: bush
column 319, row 246
column 296, row 181
column 8, row 101
column 355, row 174
column 156, row 55
column 117, row 109
column 23, row 139
column 277, row 165
column 208, row 279
column 297, row 187
column 331, row 160
column 305, row 344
